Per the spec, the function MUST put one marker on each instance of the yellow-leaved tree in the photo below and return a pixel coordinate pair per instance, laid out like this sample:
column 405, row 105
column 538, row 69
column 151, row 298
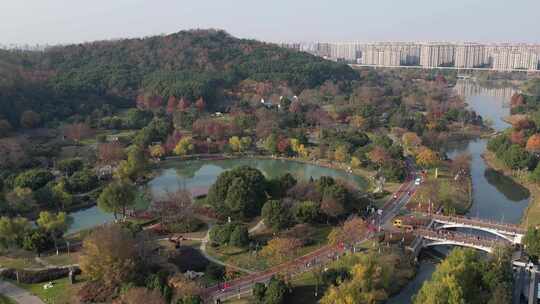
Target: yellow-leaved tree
column 184, row 146
column 109, row 255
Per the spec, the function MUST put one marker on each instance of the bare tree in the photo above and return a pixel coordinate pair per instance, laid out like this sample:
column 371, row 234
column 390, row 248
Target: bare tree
column 176, row 206
column 77, row 131
column 110, row 152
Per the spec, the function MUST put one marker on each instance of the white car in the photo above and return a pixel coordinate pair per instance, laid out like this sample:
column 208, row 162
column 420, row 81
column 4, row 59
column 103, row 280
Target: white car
column 418, row 181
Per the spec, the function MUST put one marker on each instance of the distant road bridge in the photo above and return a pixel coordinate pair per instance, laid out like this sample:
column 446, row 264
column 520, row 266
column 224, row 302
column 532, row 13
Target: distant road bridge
column 509, row 232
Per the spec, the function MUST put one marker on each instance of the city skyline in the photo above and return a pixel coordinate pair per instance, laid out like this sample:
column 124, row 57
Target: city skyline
column 470, row 55
column 62, row 21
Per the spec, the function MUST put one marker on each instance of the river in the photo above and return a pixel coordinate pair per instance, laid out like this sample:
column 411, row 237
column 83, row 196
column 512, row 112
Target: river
column 495, row 196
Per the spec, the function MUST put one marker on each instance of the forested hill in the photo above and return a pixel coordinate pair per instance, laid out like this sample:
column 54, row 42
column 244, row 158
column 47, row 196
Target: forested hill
column 188, row 64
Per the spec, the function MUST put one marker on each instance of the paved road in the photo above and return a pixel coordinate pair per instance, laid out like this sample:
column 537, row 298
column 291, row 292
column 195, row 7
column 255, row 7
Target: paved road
column 319, row 257
column 18, row 294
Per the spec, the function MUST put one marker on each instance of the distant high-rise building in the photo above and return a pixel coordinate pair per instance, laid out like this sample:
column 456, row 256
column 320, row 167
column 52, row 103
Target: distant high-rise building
column 391, row 54
column 509, row 58
column 470, row 55
column 434, row 55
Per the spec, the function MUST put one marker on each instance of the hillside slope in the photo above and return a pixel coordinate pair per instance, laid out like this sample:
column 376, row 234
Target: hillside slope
column 189, row 64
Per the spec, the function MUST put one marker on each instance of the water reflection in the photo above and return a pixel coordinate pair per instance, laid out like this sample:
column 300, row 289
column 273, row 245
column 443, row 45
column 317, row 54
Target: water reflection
column 505, row 185
column 202, row 174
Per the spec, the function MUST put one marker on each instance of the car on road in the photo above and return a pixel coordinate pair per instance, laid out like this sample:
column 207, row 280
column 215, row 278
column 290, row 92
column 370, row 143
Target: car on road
column 418, row 181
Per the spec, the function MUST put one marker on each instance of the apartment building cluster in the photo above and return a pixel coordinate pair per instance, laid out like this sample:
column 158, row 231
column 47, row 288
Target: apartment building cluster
column 500, row 57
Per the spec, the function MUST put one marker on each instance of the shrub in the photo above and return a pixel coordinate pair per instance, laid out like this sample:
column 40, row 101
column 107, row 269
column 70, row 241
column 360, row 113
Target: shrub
column 33, row 179
column 82, row 181
column 70, row 166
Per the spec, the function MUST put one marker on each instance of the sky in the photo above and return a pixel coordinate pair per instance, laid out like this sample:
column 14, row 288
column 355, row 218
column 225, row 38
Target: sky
column 72, row 21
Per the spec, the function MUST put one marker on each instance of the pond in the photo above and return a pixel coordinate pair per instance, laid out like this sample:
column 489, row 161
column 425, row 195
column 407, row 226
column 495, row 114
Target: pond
column 198, row 175
column 201, row 174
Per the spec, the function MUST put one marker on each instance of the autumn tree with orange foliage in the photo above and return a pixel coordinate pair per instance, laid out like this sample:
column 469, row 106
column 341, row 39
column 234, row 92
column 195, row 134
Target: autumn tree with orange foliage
column 411, row 140
column 280, row 249
column 378, row 156
column 77, row 131
column 427, row 158
column 533, row 144
column 352, row 231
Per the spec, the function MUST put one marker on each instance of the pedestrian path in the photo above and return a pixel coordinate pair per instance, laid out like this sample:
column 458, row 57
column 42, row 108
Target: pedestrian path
column 18, row 294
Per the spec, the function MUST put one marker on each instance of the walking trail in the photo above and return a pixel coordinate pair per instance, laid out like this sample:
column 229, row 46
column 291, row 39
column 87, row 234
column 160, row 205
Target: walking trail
column 18, row 294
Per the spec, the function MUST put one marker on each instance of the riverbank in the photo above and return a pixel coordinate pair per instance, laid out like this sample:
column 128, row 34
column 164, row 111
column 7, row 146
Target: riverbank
column 531, row 216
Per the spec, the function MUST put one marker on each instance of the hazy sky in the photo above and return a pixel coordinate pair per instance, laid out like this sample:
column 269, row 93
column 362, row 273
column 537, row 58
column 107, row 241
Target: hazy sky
column 62, row 21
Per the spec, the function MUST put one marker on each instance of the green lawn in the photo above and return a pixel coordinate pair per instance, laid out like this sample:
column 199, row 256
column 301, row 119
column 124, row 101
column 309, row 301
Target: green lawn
column 18, row 263
column 244, row 258
column 6, row 300
column 62, row 259
column 60, row 293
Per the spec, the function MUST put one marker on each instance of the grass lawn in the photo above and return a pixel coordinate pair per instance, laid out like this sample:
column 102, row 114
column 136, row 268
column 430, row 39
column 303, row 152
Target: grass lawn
column 62, row 259
column 61, row 292
column 18, row 263
column 6, row 300
column 452, row 195
column 244, row 258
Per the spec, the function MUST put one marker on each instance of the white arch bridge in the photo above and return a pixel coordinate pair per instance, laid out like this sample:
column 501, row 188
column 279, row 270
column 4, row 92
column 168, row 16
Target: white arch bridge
column 430, row 237
column 509, row 232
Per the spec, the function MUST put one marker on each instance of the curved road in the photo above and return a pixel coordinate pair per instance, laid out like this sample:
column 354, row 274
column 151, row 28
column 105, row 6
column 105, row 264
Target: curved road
column 321, row 256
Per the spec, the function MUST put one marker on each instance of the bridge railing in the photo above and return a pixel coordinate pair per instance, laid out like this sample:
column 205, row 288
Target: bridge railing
column 479, row 222
column 440, row 235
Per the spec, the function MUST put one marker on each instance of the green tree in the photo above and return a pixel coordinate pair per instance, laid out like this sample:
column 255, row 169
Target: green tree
column 531, row 240
column 306, row 212
column 135, row 165
column 276, row 292
column 82, row 181
column 276, row 215
column 190, row 300
column 239, row 236
column 517, row 158
column 271, row 144
column 37, row 241
column 259, row 290
column 55, row 224
column 239, row 192
column 117, row 197
column 460, row 278
column 33, row 179
column 12, row 230
column 70, row 165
